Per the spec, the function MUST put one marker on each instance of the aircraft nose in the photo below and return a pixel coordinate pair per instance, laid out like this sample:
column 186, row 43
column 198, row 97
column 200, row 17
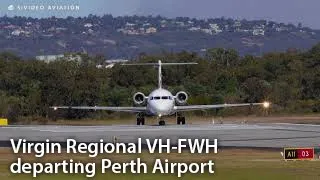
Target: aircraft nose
column 162, row 109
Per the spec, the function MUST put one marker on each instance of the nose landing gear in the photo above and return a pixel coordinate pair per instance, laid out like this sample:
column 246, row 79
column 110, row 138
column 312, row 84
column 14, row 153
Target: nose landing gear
column 161, row 121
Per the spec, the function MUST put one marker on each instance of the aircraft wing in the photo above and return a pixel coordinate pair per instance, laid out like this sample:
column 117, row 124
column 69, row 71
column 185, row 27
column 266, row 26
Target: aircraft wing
column 203, row 107
column 119, row 109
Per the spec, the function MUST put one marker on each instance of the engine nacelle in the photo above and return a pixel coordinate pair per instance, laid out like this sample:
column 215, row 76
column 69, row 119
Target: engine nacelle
column 139, row 98
column 181, row 98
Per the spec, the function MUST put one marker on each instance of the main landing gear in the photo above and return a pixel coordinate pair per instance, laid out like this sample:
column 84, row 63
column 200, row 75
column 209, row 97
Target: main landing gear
column 140, row 119
column 180, row 119
column 162, row 122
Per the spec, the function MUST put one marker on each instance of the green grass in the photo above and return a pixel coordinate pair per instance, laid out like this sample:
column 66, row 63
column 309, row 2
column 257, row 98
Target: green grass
column 243, row 164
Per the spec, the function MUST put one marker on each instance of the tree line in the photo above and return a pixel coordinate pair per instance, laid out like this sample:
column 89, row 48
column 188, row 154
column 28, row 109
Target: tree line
column 290, row 80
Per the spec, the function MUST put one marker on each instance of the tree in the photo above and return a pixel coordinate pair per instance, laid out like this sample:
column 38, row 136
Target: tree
column 256, row 90
column 224, row 57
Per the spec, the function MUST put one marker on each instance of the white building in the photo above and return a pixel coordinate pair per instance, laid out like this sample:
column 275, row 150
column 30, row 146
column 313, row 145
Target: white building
column 281, row 28
column 109, row 66
column 179, row 23
column 88, row 25
column 257, row 32
column 190, row 22
column 16, row 32
column 49, row 58
column 215, row 28
column 19, row 32
column 146, row 24
column 130, row 24
column 207, row 31
column 113, row 61
column 151, row 30
column 237, row 24
column 194, row 29
column 163, row 21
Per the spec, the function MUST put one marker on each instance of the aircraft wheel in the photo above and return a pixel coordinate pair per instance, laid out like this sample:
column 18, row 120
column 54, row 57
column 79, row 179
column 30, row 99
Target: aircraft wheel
column 183, row 120
column 140, row 121
column 178, row 120
column 162, row 123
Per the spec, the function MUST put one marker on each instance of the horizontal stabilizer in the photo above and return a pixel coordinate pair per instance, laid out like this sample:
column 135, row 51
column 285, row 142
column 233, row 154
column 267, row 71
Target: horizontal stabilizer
column 157, row 64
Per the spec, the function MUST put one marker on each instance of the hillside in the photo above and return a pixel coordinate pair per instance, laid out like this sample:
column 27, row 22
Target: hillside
column 127, row 37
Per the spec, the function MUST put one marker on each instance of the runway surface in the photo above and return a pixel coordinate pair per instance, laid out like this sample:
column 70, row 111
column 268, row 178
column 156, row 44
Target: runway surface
column 228, row 135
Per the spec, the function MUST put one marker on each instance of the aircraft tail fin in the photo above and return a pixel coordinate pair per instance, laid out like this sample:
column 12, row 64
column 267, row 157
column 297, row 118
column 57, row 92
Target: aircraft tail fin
column 159, row 64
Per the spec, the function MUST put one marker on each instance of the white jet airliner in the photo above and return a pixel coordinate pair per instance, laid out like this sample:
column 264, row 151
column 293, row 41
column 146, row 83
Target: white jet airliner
column 160, row 102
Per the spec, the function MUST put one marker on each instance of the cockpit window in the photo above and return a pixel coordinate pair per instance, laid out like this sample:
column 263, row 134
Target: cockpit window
column 162, row 97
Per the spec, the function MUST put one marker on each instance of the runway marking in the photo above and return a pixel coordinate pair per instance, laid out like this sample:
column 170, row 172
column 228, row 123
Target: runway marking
column 298, row 130
column 268, row 139
column 312, row 125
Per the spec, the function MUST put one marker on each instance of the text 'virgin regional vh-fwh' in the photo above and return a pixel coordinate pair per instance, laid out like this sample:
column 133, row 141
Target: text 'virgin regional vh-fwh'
column 160, row 102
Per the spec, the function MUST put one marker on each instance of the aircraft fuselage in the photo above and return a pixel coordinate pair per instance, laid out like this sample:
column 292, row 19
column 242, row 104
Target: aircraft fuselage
column 160, row 102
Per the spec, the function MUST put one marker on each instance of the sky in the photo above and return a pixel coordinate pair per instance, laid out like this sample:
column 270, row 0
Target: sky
column 286, row 11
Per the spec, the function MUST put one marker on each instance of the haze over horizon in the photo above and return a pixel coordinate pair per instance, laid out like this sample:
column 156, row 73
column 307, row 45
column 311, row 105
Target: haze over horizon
column 286, row 11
